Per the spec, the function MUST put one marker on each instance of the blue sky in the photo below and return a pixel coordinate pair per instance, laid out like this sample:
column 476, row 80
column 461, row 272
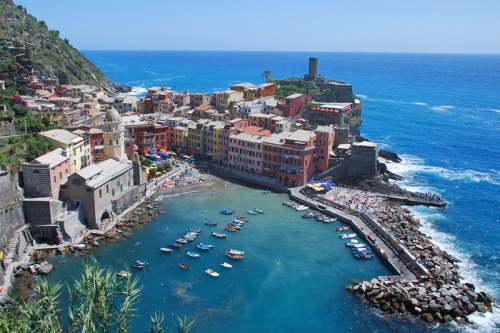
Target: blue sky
column 428, row 26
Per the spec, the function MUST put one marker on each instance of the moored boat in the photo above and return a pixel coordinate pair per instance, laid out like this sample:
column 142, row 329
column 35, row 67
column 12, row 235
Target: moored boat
column 181, row 240
column 211, row 224
column 266, row 191
column 233, row 251
column 301, row 208
column 308, row 214
column 259, row 211
column 193, row 254
column 211, row 272
column 330, row 220
column 344, row 228
column 360, row 245
column 235, row 256
column 227, row 211
column 238, row 224
column 232, row 227
column 184, row 266
column 219, row 235
column 343, row 236
column 226, row 265
column 165, row 249
column 196, row 231
column 124, row 274
column 174, row 244
column 251, row 212
column 242, row 218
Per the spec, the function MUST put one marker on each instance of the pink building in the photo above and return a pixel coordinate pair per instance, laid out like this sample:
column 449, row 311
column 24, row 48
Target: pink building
column 294, row 104
column 96, row 143
column 246, row 151
column 324, row 147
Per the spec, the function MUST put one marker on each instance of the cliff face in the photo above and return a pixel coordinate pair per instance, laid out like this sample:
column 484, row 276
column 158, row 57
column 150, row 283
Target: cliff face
column 27, row 46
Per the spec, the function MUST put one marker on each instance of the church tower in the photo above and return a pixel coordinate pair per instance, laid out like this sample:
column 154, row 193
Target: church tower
column 114, row 136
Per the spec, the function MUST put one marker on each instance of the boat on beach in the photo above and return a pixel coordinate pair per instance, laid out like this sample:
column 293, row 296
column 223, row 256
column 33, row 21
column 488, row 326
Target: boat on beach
column 184, row 266
column 193, row 254
column 165, row 249
column 211, row 272
column 226, row 265
column 219, row 235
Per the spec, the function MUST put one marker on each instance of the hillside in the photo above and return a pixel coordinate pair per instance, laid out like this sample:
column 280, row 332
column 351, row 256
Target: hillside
column 27, row 46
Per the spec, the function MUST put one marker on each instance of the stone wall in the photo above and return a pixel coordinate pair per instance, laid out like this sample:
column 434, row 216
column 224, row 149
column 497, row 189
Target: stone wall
column 363, row 161
column 126, row 200
column 11, row 207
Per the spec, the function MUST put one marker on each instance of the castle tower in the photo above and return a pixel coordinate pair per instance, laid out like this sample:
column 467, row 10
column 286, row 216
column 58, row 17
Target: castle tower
column 114, row 136
column 313, row 69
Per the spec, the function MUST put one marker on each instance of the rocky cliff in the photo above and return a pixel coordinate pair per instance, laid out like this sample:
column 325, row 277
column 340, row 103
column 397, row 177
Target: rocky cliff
column 28, row 46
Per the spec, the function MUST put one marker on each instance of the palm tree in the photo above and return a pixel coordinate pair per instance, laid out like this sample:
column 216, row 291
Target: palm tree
column 267, row 75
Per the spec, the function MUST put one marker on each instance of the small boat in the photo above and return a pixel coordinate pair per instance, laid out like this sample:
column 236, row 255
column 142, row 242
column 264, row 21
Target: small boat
column 301, row 208
column 219, row 235
column 266, row 191
column 139, row 264
column 210, row 224
column 356, row 245
column 225, row 264
column 289, row 202
column 235, row 256
column 321, row 218
column 231, row 227
column 330, row 220
column 235, row 251
column 193, row 254
column 45, row 267
column 259, row 211
column 206, row 245
column 211, row 272
column 308, row 214
column 361, row 253
column 242, row 218
column 184, row 266
column 238, row 224
column 344, row 228
column 227, row 211
column 181, row 240
column 165, row 249
column 251, row 212
column 124, row 274
column 189, row 238
column 196, row 231
column 343, row 236
column 174, row 244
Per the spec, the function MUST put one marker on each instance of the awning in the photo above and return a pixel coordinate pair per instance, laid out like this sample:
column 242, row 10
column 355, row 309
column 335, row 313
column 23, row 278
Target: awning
column 186, row 156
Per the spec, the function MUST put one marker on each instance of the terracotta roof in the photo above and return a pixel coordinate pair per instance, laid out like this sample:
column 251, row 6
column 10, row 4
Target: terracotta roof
column 203, row 107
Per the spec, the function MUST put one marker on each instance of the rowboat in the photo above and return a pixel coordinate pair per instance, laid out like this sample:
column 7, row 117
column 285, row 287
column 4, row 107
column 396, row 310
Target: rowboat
column 211, row 224
column 344, row 228
column 219, row 235
column 185, row 266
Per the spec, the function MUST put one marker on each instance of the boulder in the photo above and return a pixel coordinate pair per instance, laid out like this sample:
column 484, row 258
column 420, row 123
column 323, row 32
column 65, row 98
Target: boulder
column 427, row 317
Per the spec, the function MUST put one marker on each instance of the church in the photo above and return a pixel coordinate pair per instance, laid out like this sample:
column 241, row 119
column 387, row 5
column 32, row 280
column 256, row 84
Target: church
column 104, row 189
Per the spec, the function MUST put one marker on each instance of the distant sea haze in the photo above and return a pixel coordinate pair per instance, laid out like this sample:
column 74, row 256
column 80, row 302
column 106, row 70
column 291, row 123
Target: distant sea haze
column 440, row 113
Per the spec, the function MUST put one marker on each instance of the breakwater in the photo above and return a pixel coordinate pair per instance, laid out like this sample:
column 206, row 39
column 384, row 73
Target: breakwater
column 427, row 283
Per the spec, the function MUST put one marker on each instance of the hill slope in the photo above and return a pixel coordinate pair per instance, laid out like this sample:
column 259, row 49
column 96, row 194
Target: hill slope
column 28, row 46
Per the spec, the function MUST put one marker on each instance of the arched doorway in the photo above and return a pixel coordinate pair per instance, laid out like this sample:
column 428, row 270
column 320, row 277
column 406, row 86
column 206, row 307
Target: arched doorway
column 105, row 220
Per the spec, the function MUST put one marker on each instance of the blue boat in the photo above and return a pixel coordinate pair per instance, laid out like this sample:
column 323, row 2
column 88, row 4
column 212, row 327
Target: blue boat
column 204, row 246
column 236, row 223
column 227, row 211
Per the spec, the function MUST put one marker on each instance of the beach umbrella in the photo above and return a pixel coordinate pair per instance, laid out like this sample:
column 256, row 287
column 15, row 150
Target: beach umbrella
column 185, row 156
column 192, row 159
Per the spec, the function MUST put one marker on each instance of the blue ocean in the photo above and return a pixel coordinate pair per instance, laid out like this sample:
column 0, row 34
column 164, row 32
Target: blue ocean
column 440, row 113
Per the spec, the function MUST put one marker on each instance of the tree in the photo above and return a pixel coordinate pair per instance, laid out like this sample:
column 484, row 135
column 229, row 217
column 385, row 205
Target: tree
column 310, row 88
column 267, row 75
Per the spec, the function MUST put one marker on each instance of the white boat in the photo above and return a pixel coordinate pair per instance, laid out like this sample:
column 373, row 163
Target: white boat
column 124, row 274
column 232, row 251
column 165, row 249
column 301, row 208
column 225, row 264
column 193, row 254
column 211, row 272
column 347, row 235
column 360, row 245
column 181, row 240
column 259, row 211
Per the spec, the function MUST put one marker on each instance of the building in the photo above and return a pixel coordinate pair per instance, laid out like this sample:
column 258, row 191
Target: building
column 125, row 103
column 293, row 105
column 224, row 100
column 77, row 149
column 246, row 151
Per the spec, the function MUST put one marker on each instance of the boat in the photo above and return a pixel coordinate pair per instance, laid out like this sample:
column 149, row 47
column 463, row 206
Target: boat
column 330, row 220
column 124, row 274
column 361, row 253
column 231, row 227
column 356, row 245
column 211, row 272
column 344, row 228
column 139, row 264
column 181, row 240
column 321, row 217
column 227, row 265
column 251, row 212
column 289, row 202
column 44, row 268
column 185, row 266
column 174, row 244
column 308, row 214
column 266, row 191
column 193, row 254
column 206, row 245
column 242, row 218
column 235, row 256
column 219, row 235
column 236, row 223
column 227, row 211
column 301, row 208
column 211, row 224
column 343, row 236
column 259, row 211
column 189, row 238
column 235, row 251
column 196, row 231
column 165, row 249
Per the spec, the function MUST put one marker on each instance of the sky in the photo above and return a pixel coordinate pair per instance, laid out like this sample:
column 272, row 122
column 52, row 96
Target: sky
column 421, row 26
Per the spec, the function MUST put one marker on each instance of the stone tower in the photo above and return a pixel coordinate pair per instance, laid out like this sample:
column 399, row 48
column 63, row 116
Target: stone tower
column 313, row 70
column 114, row 136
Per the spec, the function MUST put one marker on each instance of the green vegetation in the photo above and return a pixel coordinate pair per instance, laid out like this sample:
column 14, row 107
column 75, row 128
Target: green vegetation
column 99, row 302
column 267, row 75
column 295, row 86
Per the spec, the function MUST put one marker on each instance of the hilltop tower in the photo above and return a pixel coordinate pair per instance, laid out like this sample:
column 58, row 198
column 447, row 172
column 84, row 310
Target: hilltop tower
column 313, row 70
column 114, row 136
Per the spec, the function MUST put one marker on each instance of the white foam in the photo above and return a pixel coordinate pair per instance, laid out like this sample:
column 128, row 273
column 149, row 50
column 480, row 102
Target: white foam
column 137, row 91
column 420, row 103
column 412, row 165
column 442, row 108
column 361, row 96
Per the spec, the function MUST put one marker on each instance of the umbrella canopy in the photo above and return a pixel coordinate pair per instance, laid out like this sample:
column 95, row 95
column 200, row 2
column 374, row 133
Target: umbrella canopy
column 185, row 156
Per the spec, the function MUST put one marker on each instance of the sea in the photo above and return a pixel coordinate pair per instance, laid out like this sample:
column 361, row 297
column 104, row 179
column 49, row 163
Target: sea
column 439, row 112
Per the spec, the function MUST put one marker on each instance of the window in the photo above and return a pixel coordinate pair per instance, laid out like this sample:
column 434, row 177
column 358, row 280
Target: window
column 100, row 193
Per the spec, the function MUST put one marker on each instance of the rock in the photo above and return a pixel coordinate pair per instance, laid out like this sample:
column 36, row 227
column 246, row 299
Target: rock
column 402, row 308
column 447, row 318
column 482, row 308
column 446, row 309
column 427, row 317
column 417, row 311
column 470, row 286
column 472, row 295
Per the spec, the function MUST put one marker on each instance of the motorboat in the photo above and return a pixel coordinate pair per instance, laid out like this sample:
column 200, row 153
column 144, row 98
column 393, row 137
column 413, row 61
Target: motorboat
column 343, row 236
column 181, row 240
column 330, row 220
column 289, row 202
column 233, row 251
column 211, row 224
column 219, row 235
column 242, row 218
column 211, row 272
column 232, row 227
column 251, row 212
column 227, row 211
column 139, row 264
column 184, row 266
column 235, row 255
column 356, row 245
column 174, row 244
column 196, row 231
column 238, row 224
column 308, row 214
column 266, row 191
column 204, row 246
column 165, row 249
column 344, row 228
column 259, row 211
column 301, row 208
column 124, row 274
column 193, row 254
column 226, row 265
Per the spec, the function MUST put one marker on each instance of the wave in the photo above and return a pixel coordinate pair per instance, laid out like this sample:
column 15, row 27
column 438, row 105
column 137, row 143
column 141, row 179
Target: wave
column 420, row 103
column 412, row 165
column 138, row 91
column 442, row 108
